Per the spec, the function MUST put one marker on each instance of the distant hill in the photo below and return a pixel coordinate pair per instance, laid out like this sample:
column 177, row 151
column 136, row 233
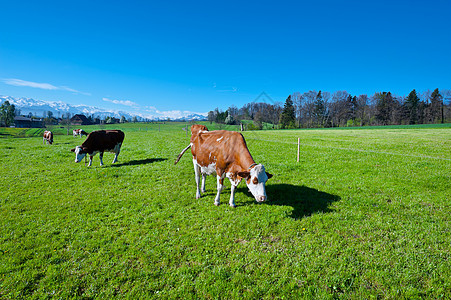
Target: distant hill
column 59, row 109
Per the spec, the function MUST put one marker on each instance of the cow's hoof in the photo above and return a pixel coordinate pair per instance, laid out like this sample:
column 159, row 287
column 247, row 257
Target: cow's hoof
column 232, row 205
column 217, row 203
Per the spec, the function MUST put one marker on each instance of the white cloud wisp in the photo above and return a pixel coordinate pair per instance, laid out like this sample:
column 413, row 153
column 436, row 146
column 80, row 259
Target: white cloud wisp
column 121, row 102
column 41, row 85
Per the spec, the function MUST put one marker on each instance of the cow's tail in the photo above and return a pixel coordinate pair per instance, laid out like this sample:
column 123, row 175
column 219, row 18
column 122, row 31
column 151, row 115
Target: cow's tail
column 181, row 153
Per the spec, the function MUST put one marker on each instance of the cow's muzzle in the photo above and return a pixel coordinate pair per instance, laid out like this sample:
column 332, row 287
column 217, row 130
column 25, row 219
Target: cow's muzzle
column 261, row 198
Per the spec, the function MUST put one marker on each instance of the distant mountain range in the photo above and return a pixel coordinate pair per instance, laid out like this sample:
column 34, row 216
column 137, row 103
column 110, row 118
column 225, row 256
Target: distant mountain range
column 40, row 108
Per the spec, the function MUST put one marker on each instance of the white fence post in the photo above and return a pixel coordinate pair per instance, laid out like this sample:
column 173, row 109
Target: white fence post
column 299, row 142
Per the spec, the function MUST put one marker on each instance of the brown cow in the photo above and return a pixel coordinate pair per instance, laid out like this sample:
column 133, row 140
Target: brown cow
column 226, row 154
column 48, row 137
column 98, row 142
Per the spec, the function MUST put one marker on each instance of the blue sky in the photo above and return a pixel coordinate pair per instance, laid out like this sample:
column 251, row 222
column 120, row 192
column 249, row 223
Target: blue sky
column 198, row 55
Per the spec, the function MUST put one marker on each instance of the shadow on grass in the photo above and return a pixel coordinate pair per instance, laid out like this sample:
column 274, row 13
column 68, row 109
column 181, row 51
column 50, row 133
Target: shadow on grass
column 304, row 200
column 139, row 162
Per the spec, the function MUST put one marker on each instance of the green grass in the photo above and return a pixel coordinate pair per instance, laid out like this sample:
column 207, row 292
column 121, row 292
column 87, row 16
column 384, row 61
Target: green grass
column 364, row 214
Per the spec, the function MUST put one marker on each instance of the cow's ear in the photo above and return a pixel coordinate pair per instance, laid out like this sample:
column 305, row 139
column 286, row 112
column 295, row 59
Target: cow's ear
column 244, row 174
column 73, row 150
column 269, row 175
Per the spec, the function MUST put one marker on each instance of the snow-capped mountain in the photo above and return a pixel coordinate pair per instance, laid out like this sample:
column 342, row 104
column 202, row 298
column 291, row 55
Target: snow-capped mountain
column 60, row 109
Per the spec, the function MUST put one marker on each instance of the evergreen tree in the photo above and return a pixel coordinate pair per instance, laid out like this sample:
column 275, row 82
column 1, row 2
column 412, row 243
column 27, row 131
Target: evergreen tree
column 385, row 108
column 319, row 109
column 288, row 117
column 411, row 104
column 436, row 107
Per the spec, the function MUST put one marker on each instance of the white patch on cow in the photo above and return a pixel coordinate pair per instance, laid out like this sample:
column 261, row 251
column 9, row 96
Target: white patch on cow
column 235, row 181
column 218, row 140
column 208, row 170
column 258, row 190
column 197, row 174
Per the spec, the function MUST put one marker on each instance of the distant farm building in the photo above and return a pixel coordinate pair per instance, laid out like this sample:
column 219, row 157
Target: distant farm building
column 25, row 122
column 80, row 120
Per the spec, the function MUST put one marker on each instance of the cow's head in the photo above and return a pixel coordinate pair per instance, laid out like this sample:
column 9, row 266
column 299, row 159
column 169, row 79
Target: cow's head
column 255, row 180
column 80, row 153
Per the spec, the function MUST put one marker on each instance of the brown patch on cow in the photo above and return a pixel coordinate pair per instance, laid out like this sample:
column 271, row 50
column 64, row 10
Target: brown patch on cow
column 196, row 128
column 244, row 174
column 231, row 156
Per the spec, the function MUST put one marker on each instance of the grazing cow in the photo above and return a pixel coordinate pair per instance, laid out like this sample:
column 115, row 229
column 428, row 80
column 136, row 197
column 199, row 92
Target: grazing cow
column 226, row 154
column 48, row 137
column 79, row 132
column 98, row 142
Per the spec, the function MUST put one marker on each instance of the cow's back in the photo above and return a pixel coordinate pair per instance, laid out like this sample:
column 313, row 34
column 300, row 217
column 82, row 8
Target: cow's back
column 219, row 146
column 101, row 140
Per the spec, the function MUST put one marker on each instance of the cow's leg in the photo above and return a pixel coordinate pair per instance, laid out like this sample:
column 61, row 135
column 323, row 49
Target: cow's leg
column 101, row 158
column 203, row 190
column 43, row 141
column 115, row 156
column 220, row 180
column 232, row 193
column 197, row 177
column 90, row 160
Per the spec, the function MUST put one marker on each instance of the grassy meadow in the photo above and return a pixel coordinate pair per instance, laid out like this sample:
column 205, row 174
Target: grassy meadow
column 364, row 214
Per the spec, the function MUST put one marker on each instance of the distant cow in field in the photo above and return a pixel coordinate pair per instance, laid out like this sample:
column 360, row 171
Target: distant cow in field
column 226, row 154
column 48, row 137
column 79, row 132
column 99, row 142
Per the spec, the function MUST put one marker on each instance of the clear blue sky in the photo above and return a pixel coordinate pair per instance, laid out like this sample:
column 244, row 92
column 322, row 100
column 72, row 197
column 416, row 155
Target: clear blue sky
column 198, row 55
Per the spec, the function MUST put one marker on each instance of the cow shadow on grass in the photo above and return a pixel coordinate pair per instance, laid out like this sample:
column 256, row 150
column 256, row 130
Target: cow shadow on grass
column 305, row 201
column 139, row 162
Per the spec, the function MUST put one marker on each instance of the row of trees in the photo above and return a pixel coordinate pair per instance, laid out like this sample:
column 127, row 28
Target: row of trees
column 314, row 109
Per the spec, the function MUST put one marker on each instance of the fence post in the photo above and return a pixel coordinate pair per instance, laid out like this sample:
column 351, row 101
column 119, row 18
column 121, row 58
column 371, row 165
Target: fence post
column 298, row 148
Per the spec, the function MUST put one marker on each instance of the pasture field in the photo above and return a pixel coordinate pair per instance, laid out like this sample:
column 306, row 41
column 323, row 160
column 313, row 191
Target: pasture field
column 364, row 214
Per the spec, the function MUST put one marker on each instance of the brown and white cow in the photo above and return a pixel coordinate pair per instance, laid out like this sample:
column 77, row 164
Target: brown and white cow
column 47, row 137
column 226, row 154
column 79, row 132
column 98, row 142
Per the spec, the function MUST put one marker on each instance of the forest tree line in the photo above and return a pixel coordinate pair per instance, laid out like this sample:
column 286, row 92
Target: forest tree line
column 318, row 109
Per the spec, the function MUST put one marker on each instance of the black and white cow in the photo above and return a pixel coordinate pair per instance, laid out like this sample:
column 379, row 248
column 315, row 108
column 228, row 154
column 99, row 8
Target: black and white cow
column 79, row 132
column 98, row 142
